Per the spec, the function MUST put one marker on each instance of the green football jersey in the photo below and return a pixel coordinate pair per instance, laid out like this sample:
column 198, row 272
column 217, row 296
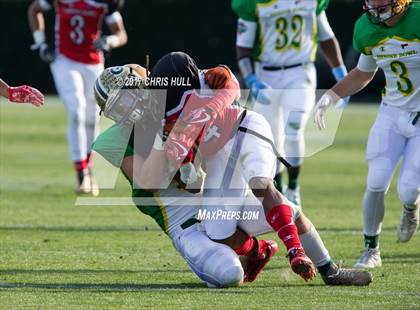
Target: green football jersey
column 397, row 52
column 114, row 145
column 287, row 29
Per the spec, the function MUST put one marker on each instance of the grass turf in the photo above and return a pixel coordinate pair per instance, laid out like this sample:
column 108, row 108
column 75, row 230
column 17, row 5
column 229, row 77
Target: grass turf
column 54, row 254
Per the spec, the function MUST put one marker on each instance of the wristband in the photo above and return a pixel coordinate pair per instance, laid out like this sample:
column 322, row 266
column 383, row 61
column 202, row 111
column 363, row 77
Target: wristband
column 245, row 66
column 158, row 144
column 339, row 72
column 38, row 36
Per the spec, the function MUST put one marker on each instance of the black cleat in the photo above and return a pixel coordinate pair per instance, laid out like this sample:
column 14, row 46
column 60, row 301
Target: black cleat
column 342, row 276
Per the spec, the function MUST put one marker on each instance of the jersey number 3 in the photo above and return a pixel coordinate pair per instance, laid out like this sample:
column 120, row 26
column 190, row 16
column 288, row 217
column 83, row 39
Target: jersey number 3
column 76, row 35
column 404, row 84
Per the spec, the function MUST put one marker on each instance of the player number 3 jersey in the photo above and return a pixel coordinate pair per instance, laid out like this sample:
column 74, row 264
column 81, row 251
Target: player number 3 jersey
column 78, row 25
column 286, row 31
column 396, row 51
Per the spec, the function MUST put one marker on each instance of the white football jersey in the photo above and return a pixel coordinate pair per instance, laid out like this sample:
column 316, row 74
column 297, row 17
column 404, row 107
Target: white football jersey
column 287, row 32
column 400, row 61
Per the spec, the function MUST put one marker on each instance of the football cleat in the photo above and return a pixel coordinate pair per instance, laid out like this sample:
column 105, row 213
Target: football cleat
column 293, row 195
column 93, row 185
column 370, row 258
column 84, row 186
column 301, row 264
column 341, row 276
column 256, row 265
column 408, row 224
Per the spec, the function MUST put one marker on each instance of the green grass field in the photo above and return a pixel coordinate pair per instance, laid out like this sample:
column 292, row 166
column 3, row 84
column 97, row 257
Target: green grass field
column 56, row 255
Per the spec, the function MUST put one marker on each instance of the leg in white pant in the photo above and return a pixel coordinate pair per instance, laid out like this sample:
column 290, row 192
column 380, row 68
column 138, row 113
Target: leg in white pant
column 384, row 149
column 90, row 73
column 409, row 179
column 69, row 83
column 214, row 263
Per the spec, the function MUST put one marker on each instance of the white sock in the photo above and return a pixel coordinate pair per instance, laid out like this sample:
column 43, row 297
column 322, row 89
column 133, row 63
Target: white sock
column 314, row 247
column 373, row 206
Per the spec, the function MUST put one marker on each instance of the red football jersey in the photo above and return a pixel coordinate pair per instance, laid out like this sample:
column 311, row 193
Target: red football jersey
column 216, row 133
column 78, row 25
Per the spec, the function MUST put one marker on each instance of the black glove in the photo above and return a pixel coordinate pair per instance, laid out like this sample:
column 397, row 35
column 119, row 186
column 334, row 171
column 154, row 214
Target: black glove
column 45, row 53
column 102, row 44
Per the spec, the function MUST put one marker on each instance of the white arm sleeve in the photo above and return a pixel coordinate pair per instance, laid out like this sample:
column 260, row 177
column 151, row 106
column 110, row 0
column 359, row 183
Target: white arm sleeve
column 324, row 29
column 113, row 18
column 367, row 63
column 44, row 4
column 246, row 33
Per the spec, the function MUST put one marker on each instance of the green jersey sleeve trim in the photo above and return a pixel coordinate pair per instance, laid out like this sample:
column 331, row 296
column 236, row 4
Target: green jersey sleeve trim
column 113, row 144
column 322, row 5
column 245, row 9
column 358, row 34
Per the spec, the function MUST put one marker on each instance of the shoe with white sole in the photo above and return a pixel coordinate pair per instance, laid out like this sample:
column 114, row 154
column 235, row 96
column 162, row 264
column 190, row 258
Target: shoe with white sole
column 370, row 258
column 293, row 195
column 408, row 224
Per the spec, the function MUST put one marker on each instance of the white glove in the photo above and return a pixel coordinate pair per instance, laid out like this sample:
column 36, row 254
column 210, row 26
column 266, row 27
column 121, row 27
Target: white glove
column 321, row 108
column 189, row 173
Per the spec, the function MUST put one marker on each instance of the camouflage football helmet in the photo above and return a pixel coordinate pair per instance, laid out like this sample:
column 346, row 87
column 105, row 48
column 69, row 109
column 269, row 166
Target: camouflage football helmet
column 122, row 96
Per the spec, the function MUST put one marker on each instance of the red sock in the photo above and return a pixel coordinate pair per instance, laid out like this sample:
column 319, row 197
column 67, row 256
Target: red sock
column 89, row 159
column 281, row 219
column 81, row 165
column 247, row 247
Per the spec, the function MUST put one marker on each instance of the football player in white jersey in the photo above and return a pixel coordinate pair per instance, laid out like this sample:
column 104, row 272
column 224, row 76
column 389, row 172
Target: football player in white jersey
column 388, row 37
column 21, row 94
column 276, row 47
column 76, row 62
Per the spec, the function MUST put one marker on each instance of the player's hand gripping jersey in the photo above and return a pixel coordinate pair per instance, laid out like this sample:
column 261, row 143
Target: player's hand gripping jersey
column 78, row 26
column 396, row 50
column 286, row 29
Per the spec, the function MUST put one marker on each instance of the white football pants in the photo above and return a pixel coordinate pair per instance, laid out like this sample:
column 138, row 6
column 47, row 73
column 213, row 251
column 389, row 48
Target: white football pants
column 293, row 97
column 391, row 138
column 74, row 82
column 229, row 171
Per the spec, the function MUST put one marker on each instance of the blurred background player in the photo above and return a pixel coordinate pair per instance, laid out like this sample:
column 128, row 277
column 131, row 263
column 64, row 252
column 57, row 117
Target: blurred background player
column 77, row 61
column 21, row 94
column 276, row 47
column 388, row 37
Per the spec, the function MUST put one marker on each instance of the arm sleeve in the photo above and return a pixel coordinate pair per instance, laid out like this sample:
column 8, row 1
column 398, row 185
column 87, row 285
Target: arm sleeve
column 113, row 15
column 367, row 63
column 46, row 4
column 245, row 9
column 221, row 99
column 246, row 32
column 324, row 29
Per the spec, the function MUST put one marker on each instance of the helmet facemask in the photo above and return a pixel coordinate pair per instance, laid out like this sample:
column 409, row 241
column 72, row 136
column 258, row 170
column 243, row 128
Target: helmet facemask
column 133, row 106
column 381, row 13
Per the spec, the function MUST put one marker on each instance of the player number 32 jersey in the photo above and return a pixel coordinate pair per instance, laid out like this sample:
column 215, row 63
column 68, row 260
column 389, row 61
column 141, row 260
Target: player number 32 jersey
column 78, row 25
column 396, row 51
column 286, row 29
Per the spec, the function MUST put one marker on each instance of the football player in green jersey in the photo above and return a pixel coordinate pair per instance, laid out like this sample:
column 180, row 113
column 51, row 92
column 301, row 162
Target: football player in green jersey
column 276, row 46
column 388, row 37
